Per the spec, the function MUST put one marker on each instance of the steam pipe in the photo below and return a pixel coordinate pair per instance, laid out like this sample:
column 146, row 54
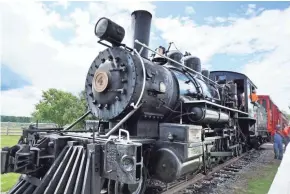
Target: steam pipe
column 141, row 24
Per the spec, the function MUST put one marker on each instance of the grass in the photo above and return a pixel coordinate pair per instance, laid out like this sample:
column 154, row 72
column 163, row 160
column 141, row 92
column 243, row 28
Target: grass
column 262, row 183
column 259, row 181
column 9, row 179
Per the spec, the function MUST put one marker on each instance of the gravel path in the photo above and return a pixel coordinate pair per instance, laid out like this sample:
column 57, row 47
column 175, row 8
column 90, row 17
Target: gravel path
column 237, row 183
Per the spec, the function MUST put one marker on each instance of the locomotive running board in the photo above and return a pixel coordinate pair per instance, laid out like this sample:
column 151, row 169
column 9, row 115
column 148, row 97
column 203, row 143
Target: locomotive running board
column 221, row 154
column 204, row 102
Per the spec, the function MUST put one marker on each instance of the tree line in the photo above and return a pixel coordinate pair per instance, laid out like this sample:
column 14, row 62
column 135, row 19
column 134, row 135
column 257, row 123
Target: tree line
column 59, row 107
column 15, row 119
column 56, row 106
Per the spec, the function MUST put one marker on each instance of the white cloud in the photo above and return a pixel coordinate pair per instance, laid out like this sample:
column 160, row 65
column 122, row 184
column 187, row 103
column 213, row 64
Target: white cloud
column 19, row 102
column 63, row 3
column 271, row 75
column 269, row 32
column 189, row 10
column 31, row 51
column 251, row 9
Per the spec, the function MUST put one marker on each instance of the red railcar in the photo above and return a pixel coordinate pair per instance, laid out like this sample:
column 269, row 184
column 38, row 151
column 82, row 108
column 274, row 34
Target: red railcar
column 275, row 116
column 284, row 120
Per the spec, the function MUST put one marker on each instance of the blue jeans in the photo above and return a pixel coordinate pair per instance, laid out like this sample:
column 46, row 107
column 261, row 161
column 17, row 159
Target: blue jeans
column 278, row 146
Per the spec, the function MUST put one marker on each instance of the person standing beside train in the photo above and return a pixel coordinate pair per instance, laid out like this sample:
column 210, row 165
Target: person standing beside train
column 254, row 97
column 278, row 143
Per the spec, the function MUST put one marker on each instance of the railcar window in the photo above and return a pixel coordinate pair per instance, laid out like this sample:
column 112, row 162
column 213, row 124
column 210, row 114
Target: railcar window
column 220, row 78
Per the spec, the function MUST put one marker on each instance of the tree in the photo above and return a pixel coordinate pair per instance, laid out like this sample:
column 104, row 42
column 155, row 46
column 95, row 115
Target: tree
column 15, row 119
column 59, row 107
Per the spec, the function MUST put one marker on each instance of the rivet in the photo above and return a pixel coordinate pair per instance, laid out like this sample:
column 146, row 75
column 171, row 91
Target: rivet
column 110, row 58
column 103, row 60
column 117, row 98
column 95, row 102
column 99, row 106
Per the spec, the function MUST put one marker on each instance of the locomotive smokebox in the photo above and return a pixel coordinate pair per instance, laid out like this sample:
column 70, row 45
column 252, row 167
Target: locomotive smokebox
column 141, row 24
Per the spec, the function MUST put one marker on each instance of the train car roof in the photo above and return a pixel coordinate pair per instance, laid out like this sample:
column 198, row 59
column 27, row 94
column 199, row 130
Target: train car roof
column 241, row 75
column 269, row 97
column 274, row 104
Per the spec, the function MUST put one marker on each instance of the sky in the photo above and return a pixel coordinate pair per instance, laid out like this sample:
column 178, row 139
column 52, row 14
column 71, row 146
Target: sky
column 52, row 44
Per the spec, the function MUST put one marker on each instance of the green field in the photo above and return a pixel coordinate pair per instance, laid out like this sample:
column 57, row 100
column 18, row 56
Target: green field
column 8, row 180
column 259, row 181
column 262, row 183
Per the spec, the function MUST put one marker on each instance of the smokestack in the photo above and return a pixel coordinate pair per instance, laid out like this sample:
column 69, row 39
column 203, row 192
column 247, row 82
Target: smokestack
column 141, row 24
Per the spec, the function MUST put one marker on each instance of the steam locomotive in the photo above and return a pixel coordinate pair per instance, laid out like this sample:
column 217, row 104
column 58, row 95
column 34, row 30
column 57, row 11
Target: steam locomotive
column 155, row 119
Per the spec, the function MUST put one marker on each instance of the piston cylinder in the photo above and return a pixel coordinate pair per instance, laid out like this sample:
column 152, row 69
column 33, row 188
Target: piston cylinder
column 206, row 115
column 169, row 167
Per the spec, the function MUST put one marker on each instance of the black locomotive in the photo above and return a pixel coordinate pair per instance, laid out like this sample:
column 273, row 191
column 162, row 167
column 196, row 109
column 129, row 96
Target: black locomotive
column 158, row 118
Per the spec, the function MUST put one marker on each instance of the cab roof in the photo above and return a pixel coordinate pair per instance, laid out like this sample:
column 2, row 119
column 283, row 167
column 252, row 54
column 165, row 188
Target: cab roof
column 236, row 74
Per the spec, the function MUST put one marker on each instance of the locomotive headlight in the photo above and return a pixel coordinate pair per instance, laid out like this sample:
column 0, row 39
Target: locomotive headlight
column 162, row 87
column 101, row 27
column 127, row 163
column 105, row 29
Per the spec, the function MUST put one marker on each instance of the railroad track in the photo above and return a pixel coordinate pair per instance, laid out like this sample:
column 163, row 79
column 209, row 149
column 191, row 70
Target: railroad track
column 225, row 170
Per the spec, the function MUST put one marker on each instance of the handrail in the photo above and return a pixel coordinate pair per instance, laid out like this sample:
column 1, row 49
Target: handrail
column 144, row 78
column 145, row 46
column 121, row 121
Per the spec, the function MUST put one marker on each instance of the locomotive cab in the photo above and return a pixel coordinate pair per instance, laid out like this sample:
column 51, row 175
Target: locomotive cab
column 244, row 87
column 255, row 124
